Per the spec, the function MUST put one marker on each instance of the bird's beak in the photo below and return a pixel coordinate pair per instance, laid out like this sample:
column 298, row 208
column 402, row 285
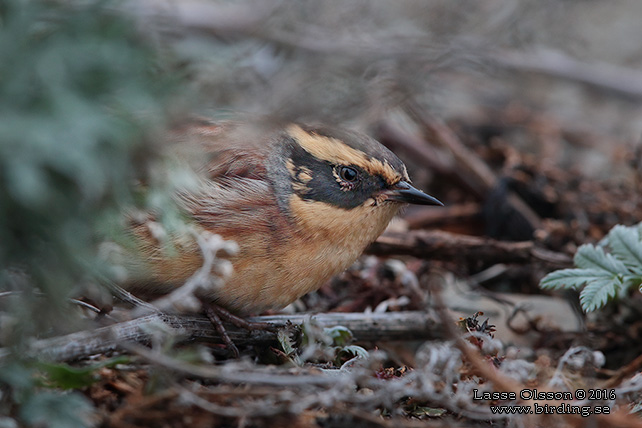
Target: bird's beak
column 404, row 192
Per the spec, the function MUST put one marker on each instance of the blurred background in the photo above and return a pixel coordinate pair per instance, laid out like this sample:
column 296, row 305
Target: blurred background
column 523, row 116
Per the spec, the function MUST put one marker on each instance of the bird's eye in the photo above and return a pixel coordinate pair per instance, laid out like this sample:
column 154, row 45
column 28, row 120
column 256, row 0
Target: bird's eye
column 348, row 174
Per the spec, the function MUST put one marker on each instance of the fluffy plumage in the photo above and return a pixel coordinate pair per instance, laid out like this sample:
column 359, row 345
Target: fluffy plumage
column 286, row 197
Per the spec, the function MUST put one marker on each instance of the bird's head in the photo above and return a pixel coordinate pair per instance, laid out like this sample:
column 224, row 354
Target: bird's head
column 342, row 181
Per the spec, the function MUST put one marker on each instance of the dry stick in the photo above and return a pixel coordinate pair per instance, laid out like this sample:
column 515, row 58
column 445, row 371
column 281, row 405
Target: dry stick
column 365, row 327
column 438, row 245
column 472, row 170
column 486, row 370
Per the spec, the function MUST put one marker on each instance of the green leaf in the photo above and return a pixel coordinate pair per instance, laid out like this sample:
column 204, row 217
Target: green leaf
column 574, row 278
column 287, row 345
column 605, row 274
column 346, row 353
column 626, row 246
column 597, row 293
column 589, row 256
column 355, row 350
column 340, row 335
column 67, row 377
column 55, row 410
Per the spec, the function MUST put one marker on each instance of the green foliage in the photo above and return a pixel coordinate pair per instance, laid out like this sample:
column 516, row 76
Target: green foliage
column 64, row 376
column 80, row 99
column 345, row 353
column 340, row 335
column 82, row 102
column 320, row 345
column 603, row 275
column 289, row 349
column 341, row 339
column 40, row 407
column 332, row 343
column 57, row 410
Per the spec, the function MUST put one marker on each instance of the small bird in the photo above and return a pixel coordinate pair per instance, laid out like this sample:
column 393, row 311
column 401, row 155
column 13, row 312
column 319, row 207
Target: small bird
column 301, row 202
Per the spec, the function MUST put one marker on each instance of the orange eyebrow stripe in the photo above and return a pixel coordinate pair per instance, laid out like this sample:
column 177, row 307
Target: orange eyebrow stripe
column 335, row 151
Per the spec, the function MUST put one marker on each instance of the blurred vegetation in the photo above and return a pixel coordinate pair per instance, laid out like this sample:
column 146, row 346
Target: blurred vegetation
column 82, row 101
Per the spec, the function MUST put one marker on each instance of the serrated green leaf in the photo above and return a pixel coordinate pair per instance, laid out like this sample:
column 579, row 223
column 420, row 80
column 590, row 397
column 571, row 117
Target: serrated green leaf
column 573, row 278
column 597, row 293
column 605, row 274
column 626, row 246
column 589, row 256
column 285, row 340
column 355, row 350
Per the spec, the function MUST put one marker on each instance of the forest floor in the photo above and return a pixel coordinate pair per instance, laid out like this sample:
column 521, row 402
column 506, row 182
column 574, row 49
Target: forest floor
column 490, row 339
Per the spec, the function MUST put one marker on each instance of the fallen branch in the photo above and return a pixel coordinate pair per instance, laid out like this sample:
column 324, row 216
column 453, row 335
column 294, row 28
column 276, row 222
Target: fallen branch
column 364, row 326
column 439, row 245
